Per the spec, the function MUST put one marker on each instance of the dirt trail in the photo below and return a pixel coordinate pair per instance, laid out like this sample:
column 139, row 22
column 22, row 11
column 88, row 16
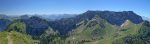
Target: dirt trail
column 95, row 42
column 10, row 41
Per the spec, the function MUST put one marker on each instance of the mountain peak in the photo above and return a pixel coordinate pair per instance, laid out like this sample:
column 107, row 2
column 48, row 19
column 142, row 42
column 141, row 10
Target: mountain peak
column 115, row 18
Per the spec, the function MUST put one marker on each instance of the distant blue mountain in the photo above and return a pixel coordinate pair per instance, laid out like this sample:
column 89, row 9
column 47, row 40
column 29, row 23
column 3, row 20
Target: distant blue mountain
column 35, row 25
column 146, row 18
column 3, row 16
column 56, row 16
column 4, row 23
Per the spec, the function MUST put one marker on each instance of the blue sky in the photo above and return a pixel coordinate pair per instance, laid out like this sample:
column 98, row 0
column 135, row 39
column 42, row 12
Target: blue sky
column 20, row 7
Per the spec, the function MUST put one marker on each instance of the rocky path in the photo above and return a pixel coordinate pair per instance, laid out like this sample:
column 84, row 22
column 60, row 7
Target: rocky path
column 10, row 41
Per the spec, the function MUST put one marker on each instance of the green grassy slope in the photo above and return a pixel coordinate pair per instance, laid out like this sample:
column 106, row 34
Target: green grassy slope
column 95, row 30
column 17, row 33
column 141, row 37
column 15, row 37
column 99, row 31
column 19, row 38
column 3, row 38
column 18, row 26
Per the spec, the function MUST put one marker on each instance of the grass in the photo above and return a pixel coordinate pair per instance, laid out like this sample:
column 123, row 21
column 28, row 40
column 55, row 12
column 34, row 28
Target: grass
column 111, row 34
column 19, row 38
column 18, row 26
column 3, row 38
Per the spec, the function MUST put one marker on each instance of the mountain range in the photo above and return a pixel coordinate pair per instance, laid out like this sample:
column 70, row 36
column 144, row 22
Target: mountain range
column 90, row 27
column 146, row 18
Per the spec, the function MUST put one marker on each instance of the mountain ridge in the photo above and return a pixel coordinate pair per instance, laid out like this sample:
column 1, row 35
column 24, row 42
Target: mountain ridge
column 91, row 27
column 115, row 18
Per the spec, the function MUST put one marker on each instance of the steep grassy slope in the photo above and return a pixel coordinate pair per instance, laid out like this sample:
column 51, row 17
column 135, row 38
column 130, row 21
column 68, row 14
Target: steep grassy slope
column 99, row 31
column 19, row 38
column 141, row 37
column 49, row 37
column 93, row 30
column 18, row 26
column 3, row 38
column 15, row 38
column 16, row 34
